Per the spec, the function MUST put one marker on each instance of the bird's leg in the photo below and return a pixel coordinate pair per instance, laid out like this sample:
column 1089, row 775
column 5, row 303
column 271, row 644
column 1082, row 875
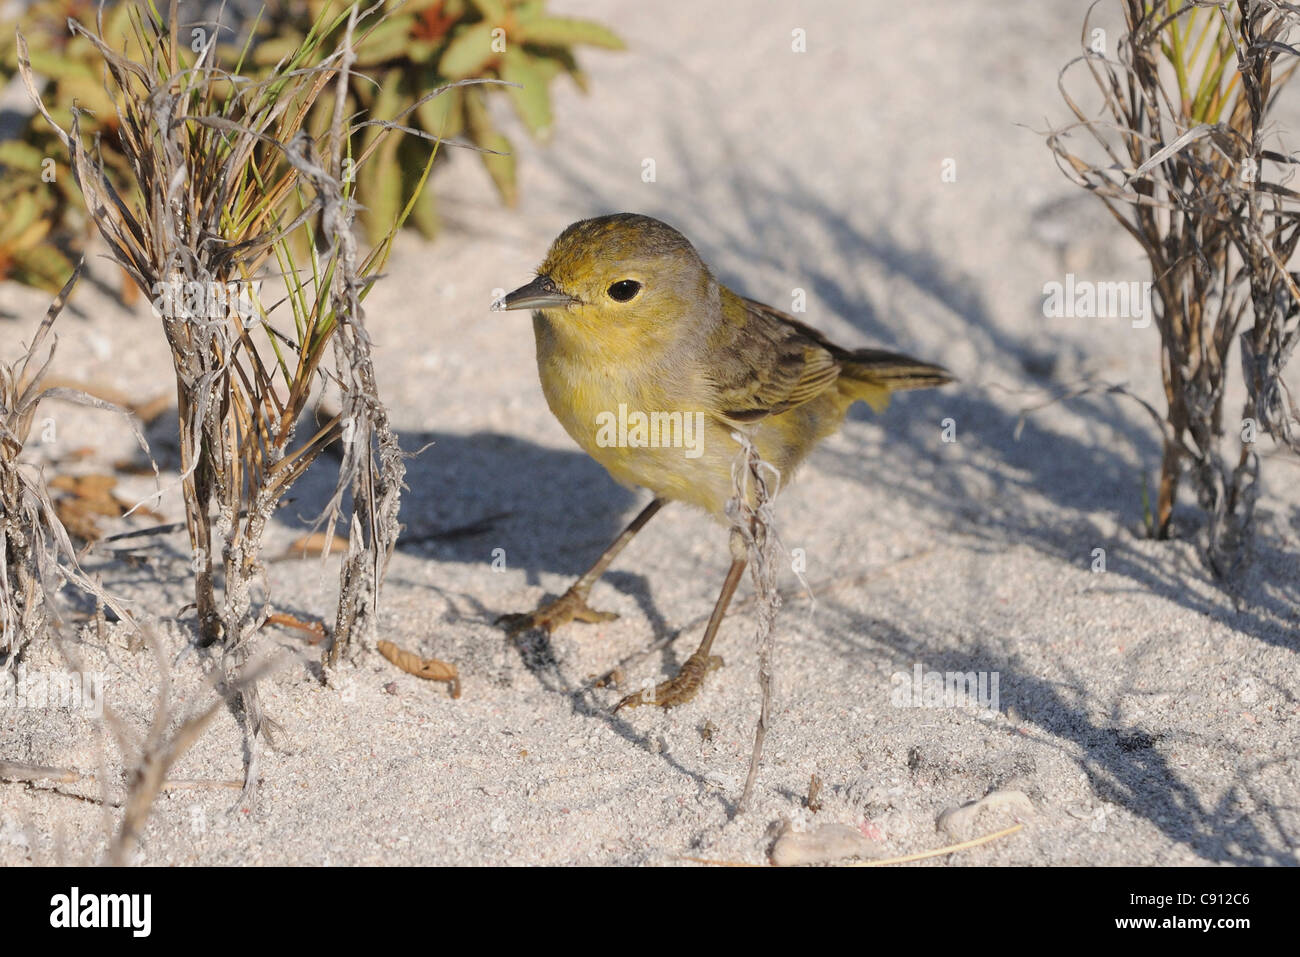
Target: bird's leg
column 683, row 686
column 573, row 603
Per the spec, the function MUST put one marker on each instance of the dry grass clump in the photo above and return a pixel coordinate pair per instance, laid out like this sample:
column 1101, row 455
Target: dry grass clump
column 36, row 556
column 1178, row 155
column 223, row 179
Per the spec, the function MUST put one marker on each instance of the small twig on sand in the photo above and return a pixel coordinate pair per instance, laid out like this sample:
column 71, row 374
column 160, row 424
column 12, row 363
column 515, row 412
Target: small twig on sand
column 179, row 784
column 905, row 859
column 13, row 771
column 940, row 851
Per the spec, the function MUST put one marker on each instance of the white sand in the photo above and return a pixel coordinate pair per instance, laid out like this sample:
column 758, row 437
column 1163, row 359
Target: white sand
column 1148, row 719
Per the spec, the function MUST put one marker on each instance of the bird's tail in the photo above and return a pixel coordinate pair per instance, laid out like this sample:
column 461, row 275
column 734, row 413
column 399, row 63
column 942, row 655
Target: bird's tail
column 872, row 374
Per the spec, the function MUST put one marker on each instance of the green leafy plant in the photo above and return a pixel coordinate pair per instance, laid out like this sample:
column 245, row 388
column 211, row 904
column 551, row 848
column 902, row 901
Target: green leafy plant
column 45, row 226
column 422, row 45
column 405, row 52
column 27, row 254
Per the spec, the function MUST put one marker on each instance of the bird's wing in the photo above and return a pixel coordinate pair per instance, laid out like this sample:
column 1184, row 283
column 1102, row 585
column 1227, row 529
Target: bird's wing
column 767, row 362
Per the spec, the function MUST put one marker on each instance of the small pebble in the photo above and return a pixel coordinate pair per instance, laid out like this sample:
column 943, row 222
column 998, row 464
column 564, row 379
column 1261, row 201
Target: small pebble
column 959, row 822
column 830, row 842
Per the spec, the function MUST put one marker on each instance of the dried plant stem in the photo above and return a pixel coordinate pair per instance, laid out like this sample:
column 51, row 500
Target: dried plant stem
column 376, row 485
column 36, row 555
column 760, row 728
column 163, row 747
column 940, row 851
column 183, row 784
column 756, row 483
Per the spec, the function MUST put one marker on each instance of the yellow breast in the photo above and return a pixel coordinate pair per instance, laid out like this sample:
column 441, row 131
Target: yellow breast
column 624, row 417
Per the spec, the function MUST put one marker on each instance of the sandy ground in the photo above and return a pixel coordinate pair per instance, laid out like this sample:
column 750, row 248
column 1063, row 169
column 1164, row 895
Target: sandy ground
column 1148, row 717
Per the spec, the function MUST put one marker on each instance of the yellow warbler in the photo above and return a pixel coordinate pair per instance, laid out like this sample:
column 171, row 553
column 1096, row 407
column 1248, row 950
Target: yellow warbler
column 651, row 364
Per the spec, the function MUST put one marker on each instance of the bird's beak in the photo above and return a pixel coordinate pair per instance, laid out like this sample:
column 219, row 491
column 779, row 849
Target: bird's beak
column 541, row 293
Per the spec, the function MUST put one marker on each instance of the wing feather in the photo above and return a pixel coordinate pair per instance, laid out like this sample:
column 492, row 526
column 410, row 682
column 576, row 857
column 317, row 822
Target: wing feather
column 769, row 362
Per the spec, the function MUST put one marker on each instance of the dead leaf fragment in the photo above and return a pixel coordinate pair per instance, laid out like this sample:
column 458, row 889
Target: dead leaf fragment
column 430, row 668
column 313, row 546
column 84, row 498
column 314, row 628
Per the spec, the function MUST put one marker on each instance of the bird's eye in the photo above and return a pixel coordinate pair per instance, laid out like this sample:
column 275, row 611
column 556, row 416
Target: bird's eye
column 624, row 290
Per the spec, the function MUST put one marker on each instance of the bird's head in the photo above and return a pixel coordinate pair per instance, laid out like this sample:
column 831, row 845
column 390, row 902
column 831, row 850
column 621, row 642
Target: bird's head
column 618, row 272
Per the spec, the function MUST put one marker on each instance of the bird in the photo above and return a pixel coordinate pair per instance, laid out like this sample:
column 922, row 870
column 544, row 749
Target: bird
column 636, row 338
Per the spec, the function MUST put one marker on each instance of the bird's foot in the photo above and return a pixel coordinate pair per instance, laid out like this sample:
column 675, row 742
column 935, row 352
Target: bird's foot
column 568, row 607
column 678, row 689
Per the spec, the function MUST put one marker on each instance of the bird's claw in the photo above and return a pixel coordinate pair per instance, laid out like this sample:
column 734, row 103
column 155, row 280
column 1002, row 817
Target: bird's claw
column 680, row 688
column 570, row 606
